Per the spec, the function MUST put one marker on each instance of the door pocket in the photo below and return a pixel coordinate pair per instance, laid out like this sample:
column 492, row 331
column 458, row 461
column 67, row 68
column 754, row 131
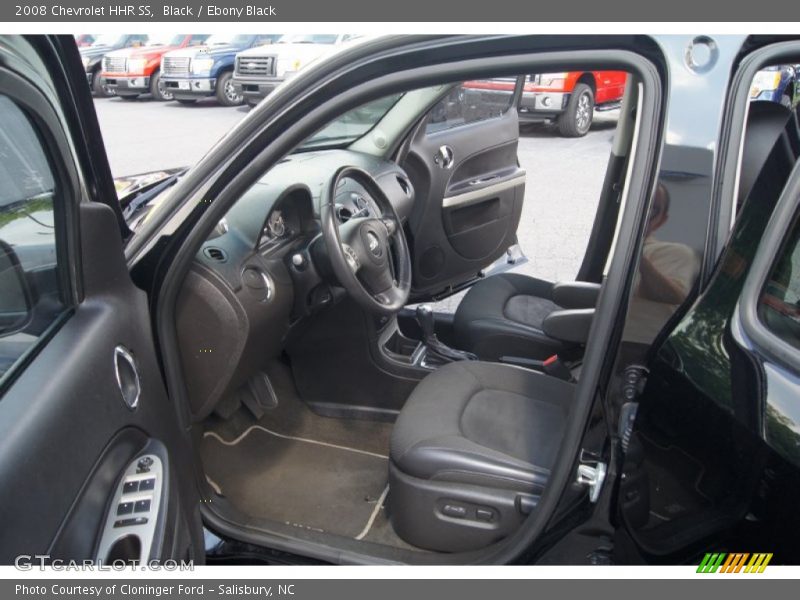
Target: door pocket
column 473, row 215
column 475, row 230
column 481, row 241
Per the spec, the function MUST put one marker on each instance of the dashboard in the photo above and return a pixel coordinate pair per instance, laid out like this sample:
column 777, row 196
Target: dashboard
column 259, row 271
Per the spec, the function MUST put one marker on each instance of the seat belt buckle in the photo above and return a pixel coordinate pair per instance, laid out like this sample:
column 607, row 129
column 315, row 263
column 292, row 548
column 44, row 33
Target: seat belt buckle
column 555, row 367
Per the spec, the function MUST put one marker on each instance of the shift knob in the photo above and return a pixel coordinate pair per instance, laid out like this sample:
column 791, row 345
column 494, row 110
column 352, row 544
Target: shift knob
column 425, row 320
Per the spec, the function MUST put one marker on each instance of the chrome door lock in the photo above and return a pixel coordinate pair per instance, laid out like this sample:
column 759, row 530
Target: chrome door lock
column 444, row 157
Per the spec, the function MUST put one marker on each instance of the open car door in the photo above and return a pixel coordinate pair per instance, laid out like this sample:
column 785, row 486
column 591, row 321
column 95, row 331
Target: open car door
column 90, row 444
column 462, row 160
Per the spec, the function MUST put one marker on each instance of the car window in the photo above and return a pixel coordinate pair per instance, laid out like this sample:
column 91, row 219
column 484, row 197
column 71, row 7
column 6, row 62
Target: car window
column 167, row 39
column 227, row 39
column 108, row 39
column 301, row 38
column 31, row 297
column 470, row 102
column 263, row 40
column 198, row 39
column 779, row 302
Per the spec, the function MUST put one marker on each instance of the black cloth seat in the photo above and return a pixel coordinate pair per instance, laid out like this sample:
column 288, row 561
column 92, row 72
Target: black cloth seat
column 482, row 436
column 502, row 316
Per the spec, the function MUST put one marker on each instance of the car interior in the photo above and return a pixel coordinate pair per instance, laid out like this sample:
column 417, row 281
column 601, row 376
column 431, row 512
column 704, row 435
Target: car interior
column 329, row 404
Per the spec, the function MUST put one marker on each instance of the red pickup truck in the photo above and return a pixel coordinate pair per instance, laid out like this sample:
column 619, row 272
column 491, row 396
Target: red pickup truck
column 130, row 72
column 569, row 99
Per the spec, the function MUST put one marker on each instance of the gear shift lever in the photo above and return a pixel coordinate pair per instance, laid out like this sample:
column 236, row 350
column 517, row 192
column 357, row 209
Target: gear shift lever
column 432, row 343
column 425, row 320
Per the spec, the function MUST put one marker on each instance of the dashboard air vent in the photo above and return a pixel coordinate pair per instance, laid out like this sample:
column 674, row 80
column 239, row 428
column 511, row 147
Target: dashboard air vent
column 343, row 214
column 214, row 253
column 404, row 185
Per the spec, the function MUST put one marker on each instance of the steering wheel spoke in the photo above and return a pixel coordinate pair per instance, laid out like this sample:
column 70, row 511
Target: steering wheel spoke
column 351, row 257
column 390, row 224
column 368, row 255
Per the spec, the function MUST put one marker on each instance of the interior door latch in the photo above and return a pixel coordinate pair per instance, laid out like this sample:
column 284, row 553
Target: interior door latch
column 444, row 157
column 592, row 476
column 127, row 373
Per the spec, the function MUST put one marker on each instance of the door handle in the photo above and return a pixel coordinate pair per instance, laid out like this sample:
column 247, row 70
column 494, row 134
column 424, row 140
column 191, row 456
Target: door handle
column 444, row 157
column 483, row 180
column 127, row 377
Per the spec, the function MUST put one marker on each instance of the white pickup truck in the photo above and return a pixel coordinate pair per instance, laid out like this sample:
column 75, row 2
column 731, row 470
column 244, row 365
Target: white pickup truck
column 258, row 71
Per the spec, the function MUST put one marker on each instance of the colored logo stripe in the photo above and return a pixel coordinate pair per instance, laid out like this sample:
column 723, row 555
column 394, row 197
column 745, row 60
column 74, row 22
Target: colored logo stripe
column 734, row 562
column 758, row 563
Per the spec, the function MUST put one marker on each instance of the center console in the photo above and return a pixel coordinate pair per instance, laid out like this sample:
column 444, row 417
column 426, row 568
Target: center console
column 429, row 353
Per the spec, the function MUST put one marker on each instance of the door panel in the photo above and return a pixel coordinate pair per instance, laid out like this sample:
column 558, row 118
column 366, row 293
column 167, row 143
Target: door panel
column 81, row 394
column 469, row 192
column 65, row 433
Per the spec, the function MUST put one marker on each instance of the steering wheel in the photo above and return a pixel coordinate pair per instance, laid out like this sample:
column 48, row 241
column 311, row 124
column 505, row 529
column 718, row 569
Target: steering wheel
column 369, row 255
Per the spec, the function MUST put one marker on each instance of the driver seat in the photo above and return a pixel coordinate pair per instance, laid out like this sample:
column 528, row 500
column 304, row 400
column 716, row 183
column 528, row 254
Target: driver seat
column 471, row 453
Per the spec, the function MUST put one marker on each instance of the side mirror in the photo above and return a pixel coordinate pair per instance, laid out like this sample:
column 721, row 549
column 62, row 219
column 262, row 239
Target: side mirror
column 15, row 296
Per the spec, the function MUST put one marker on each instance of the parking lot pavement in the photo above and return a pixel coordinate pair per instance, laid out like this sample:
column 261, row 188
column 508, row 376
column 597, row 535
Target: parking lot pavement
column 564, row 176
column 143, row 135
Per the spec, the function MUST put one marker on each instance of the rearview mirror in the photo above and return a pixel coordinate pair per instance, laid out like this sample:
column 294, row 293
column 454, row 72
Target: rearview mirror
column 15, row 298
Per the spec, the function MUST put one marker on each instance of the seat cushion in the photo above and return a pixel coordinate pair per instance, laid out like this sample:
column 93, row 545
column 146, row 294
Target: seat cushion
column 502, row 316
column 482, row 423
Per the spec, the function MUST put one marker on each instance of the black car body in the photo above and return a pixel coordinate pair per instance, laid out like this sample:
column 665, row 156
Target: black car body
column 682, row 431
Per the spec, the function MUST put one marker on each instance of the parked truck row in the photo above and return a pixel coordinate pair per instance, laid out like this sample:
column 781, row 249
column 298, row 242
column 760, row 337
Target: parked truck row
column 245, row 68
column 233, row 68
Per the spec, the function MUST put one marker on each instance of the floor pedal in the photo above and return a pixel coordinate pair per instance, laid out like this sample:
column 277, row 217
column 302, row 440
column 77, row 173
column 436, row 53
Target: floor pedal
column 258, row 395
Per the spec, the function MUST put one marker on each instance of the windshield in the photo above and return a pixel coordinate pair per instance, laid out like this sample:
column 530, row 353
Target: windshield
column 162, row 39
column 108, row 39
column 228, row 39
column 299, row 38
column 352, row 125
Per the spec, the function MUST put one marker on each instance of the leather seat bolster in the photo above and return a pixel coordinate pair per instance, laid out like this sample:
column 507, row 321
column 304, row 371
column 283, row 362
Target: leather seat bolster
column 446, row 461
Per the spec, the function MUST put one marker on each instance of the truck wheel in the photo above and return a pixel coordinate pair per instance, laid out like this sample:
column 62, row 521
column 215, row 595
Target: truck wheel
column 577, row 118
column 185, row 100
column 226, row 93
column 157, row 89
column 100, row 90
column 786, row 101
